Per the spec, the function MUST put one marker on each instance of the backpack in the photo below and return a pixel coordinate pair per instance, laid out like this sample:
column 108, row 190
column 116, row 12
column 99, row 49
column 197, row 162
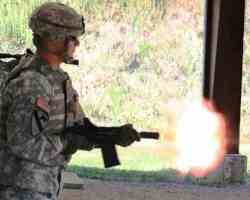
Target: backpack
column 7, row 66
column 8, row 71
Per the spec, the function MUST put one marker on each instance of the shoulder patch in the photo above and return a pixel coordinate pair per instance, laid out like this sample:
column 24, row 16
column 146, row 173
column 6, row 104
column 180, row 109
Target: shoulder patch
column 42, row 104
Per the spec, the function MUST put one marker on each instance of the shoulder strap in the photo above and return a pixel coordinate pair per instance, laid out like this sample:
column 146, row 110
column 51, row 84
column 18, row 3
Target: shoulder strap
column 23, row 65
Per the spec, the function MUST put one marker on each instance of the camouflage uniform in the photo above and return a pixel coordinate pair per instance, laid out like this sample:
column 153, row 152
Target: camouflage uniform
column 34, row 159
column 37, row 104
column 11, row 193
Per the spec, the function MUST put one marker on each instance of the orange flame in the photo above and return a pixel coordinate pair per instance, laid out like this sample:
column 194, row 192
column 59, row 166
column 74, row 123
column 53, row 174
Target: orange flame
column 200, row 139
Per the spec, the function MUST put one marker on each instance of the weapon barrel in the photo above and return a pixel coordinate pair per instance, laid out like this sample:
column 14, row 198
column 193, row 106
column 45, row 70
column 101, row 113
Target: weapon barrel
column 150, row 135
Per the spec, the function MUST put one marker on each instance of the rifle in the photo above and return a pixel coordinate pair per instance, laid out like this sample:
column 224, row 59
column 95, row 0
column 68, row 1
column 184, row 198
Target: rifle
column 105, row 138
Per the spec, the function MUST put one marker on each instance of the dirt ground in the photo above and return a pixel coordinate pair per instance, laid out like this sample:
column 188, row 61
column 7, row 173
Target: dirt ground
column 103, row 190
column 110, row 190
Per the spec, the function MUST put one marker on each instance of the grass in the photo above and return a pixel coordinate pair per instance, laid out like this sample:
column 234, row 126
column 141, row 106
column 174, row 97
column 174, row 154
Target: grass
column 147, row 164
column 137, row 164
column 133, row 158
column 125, row 175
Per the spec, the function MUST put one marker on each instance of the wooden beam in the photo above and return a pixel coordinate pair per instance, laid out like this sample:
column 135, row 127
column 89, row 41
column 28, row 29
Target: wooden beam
column 223, row 62
column 207, row 45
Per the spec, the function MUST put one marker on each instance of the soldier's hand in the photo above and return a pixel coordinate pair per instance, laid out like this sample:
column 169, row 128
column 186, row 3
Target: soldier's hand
column 127, row 135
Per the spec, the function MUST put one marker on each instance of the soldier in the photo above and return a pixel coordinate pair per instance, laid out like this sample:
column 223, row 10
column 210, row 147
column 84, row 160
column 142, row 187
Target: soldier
column 38, row 104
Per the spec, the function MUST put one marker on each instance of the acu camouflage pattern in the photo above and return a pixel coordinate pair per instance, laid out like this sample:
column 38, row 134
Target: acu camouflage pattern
column 33, row 159
column 56, row 21
column 3, row 76
column 7, row 71
column 12, row 193
column 4, row 71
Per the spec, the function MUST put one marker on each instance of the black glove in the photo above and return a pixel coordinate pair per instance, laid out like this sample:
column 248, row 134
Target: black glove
column 76, row 141
column 127, row 135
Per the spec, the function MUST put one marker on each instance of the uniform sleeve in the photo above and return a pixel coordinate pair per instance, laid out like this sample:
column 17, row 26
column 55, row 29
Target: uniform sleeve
column 75, row 117
column 21, row 96
column 28, row 113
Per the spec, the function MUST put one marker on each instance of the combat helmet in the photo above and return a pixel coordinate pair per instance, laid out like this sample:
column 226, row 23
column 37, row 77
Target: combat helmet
column 56, row 21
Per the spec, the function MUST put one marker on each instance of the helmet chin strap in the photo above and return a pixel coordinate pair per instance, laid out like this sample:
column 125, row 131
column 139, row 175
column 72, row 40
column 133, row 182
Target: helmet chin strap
column 70, row 60
column 69, row 44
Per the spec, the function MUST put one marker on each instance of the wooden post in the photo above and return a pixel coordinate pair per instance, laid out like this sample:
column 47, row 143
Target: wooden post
column 223, row 62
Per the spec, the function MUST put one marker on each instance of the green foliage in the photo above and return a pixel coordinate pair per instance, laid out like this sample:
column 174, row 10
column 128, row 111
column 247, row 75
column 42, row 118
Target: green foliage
column 116, row 95
column 145, row 49
column 13, row 15
column 124, row 175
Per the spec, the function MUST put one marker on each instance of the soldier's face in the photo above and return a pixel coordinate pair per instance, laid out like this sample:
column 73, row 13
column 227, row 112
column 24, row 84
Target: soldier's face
column 63, row 48
column 71, row 44
column 56, row 47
